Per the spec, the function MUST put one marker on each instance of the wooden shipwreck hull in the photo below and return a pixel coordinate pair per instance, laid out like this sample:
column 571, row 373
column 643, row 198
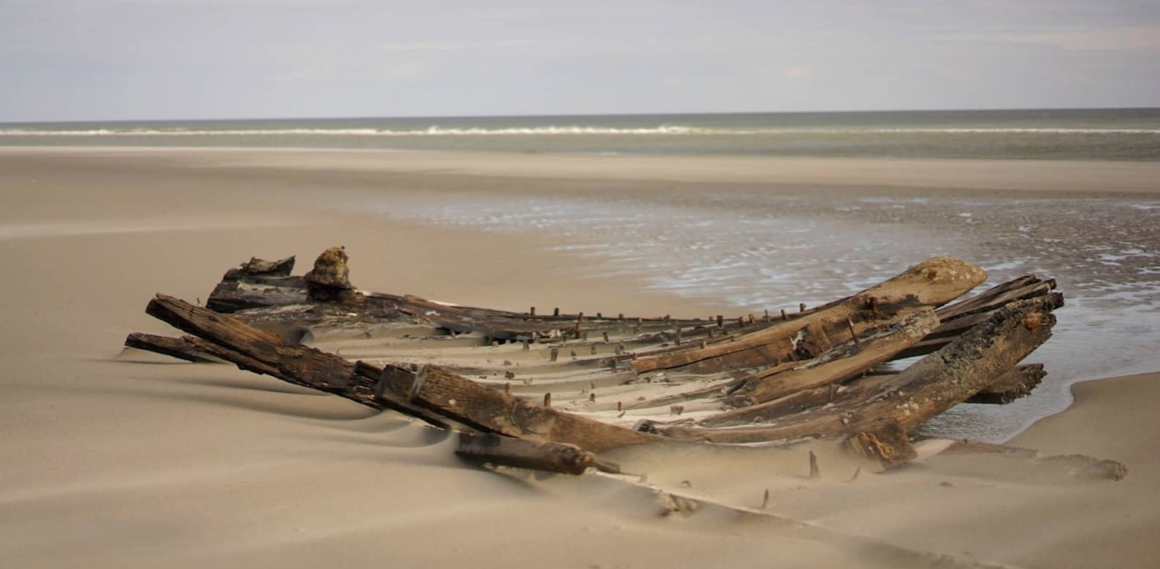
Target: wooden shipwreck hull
column 553, row 390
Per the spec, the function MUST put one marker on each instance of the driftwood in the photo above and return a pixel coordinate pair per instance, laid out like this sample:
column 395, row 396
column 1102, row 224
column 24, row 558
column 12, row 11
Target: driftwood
column 572, row 379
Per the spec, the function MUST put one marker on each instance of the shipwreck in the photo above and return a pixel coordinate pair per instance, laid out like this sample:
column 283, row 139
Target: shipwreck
column 554, row 391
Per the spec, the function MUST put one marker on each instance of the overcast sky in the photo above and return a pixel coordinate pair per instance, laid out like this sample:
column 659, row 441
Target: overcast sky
column 156, row 59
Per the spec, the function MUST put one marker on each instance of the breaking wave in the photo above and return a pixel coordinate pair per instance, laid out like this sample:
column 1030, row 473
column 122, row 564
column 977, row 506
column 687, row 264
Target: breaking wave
column 663, row 130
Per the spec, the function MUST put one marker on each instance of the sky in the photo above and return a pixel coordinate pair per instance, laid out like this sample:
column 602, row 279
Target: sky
column 69, row 60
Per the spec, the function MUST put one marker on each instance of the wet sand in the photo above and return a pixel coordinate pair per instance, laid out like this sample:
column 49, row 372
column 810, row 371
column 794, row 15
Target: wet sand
column 127, row 460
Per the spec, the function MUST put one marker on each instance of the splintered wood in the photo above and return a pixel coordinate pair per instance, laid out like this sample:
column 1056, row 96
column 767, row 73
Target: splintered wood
column 815, row 373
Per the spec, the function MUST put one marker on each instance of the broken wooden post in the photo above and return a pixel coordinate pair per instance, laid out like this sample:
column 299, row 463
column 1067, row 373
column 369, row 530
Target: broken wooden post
column 533, row 311
column 548, row 399
column 814, row 472
column 784, row 314
column 556, row 312
column 853, row 332
column 555, row 353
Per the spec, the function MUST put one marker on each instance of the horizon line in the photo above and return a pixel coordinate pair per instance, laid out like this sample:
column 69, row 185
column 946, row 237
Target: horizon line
column 555, row 115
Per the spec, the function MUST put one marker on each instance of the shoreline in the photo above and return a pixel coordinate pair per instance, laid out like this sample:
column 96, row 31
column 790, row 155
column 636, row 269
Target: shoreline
column 929, row 174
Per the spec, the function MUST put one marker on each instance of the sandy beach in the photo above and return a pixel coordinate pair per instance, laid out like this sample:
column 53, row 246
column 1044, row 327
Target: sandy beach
column 124, row 459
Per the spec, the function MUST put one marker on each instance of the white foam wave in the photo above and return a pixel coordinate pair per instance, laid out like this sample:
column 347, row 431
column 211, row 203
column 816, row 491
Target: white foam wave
column 663, row 130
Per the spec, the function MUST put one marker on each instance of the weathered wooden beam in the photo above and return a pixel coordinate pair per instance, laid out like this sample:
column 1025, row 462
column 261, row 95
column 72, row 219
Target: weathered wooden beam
column 253, row 350
column 1017, row 289
column 173, row 347
column 929, row 284
column 315, row 368
column 522, row 453
column 1017, row 383
column 839, row 364
column 459, row 399
column 928, row 388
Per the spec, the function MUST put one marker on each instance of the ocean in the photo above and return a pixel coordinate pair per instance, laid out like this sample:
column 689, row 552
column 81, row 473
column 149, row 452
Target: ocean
column 1072, row 134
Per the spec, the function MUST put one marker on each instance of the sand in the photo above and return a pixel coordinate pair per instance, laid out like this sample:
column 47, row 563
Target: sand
column 115, row 459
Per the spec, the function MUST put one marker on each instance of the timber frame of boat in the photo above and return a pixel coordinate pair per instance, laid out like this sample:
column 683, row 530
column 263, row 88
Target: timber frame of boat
column 572, row 386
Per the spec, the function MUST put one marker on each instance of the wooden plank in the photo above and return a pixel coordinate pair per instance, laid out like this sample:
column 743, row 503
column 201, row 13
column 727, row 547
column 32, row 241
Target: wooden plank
column 254, row 350
column 929, row 284
column 1017, row 289
column 839, row 364
column 936, row 383
column 172, row 347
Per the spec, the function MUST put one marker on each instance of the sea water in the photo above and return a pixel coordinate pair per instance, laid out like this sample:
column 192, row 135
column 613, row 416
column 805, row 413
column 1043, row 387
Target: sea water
column 1088, row 134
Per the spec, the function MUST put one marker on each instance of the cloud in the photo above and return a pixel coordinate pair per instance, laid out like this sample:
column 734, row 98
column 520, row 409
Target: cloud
column 1113, row 39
